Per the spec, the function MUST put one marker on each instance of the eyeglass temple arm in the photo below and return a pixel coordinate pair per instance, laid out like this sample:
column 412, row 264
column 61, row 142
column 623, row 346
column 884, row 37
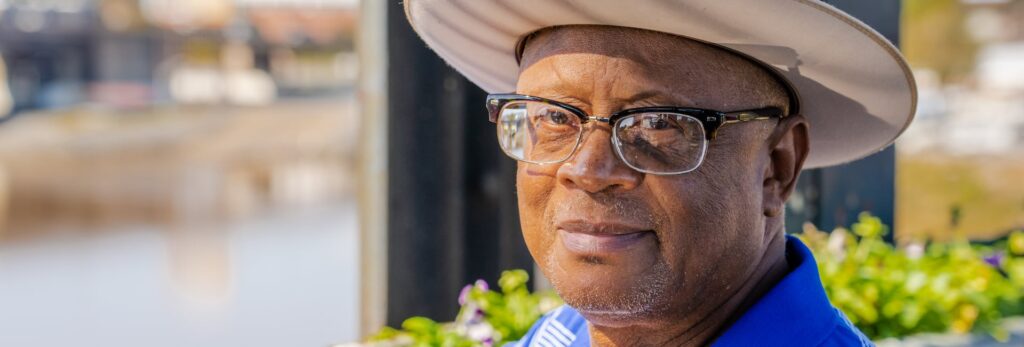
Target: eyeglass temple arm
column 746, row 116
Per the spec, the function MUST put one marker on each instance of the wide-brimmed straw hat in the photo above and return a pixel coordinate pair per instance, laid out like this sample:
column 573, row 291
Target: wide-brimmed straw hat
column 853, row 85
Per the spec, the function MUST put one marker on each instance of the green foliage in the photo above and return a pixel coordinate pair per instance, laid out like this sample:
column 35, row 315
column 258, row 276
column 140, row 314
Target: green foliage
column 889, row 292
column 487, row 317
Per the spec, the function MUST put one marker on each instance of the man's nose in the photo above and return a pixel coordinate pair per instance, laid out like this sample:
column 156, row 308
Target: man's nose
column 595, row 167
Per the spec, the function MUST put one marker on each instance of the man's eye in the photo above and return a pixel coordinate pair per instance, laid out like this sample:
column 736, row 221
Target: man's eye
column 554, row 117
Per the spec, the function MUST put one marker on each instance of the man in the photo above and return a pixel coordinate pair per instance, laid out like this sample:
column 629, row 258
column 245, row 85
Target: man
column 658, row 142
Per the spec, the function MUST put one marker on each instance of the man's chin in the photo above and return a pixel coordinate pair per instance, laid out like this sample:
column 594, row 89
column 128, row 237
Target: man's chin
column 615, row 319
column 618, row 313
column 612, row 295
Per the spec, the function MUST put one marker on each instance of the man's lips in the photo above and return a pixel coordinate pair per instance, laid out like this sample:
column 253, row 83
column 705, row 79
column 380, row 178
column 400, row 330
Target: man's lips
column 590, row 238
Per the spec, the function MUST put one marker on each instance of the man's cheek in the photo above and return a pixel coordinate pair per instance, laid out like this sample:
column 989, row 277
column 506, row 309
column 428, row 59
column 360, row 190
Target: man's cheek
column 534, row 190
column 694, row 215
column 534, row 194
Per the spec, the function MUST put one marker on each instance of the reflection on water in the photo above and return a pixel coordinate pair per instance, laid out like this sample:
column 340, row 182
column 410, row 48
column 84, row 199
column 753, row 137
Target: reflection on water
column 284, row 278
column 177, row 173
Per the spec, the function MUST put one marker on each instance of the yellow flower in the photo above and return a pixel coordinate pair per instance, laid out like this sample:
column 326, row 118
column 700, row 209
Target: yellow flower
column 1016, row 242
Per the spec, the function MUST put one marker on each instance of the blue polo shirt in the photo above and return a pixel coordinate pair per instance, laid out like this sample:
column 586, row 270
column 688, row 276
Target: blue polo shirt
column 796, row 312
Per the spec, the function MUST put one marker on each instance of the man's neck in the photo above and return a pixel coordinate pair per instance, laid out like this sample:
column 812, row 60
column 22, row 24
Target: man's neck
column 701, row 331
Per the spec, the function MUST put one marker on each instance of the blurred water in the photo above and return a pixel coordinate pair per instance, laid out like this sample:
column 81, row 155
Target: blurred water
column 282, row 279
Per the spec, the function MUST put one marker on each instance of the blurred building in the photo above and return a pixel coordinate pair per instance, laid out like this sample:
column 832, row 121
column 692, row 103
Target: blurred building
column 129, row 53
column 187, row 72
column 961, row 160
column 982, row 113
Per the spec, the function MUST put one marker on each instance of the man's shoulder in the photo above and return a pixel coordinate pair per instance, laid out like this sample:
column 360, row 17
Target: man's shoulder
column 561, row 327
column 795, row 312
column 846, row 334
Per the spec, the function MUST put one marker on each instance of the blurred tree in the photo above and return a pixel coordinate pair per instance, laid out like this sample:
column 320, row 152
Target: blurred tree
column 935, row 37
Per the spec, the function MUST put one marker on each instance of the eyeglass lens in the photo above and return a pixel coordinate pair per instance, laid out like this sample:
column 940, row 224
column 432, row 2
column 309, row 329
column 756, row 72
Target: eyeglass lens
column 542, row 133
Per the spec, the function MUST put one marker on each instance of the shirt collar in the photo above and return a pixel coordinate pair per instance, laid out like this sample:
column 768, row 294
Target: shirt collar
column 796, row 310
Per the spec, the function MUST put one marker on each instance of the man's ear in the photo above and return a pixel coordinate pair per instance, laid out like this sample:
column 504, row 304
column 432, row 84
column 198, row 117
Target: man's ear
column 788, row 146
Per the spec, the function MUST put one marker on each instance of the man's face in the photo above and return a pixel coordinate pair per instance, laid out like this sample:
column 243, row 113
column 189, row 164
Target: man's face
column 626, row 247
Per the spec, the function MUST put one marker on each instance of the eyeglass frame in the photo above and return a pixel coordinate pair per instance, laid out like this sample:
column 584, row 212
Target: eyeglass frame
column 711, row 120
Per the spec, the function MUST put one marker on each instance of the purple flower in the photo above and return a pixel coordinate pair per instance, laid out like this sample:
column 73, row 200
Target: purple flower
column 482, row 285
column 995, row 259
column 464, row 295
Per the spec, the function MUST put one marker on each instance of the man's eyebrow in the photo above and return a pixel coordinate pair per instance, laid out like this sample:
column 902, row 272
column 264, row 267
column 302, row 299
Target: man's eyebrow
column 651, row 97
column 644, row 95
column 657, row 98
column 565, row 98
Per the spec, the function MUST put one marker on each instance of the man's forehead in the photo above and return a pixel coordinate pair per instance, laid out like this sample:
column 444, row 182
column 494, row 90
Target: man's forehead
column 641, row 45
column 656, row 61
column 587, row 76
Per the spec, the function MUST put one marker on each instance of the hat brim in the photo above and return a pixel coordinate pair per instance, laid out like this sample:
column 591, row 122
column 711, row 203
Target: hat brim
column 853, row 85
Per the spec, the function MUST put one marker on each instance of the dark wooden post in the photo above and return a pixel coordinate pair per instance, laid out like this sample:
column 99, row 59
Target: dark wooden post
column 452, row 207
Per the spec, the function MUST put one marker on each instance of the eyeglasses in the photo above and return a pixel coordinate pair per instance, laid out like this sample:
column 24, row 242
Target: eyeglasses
column 656, row 140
